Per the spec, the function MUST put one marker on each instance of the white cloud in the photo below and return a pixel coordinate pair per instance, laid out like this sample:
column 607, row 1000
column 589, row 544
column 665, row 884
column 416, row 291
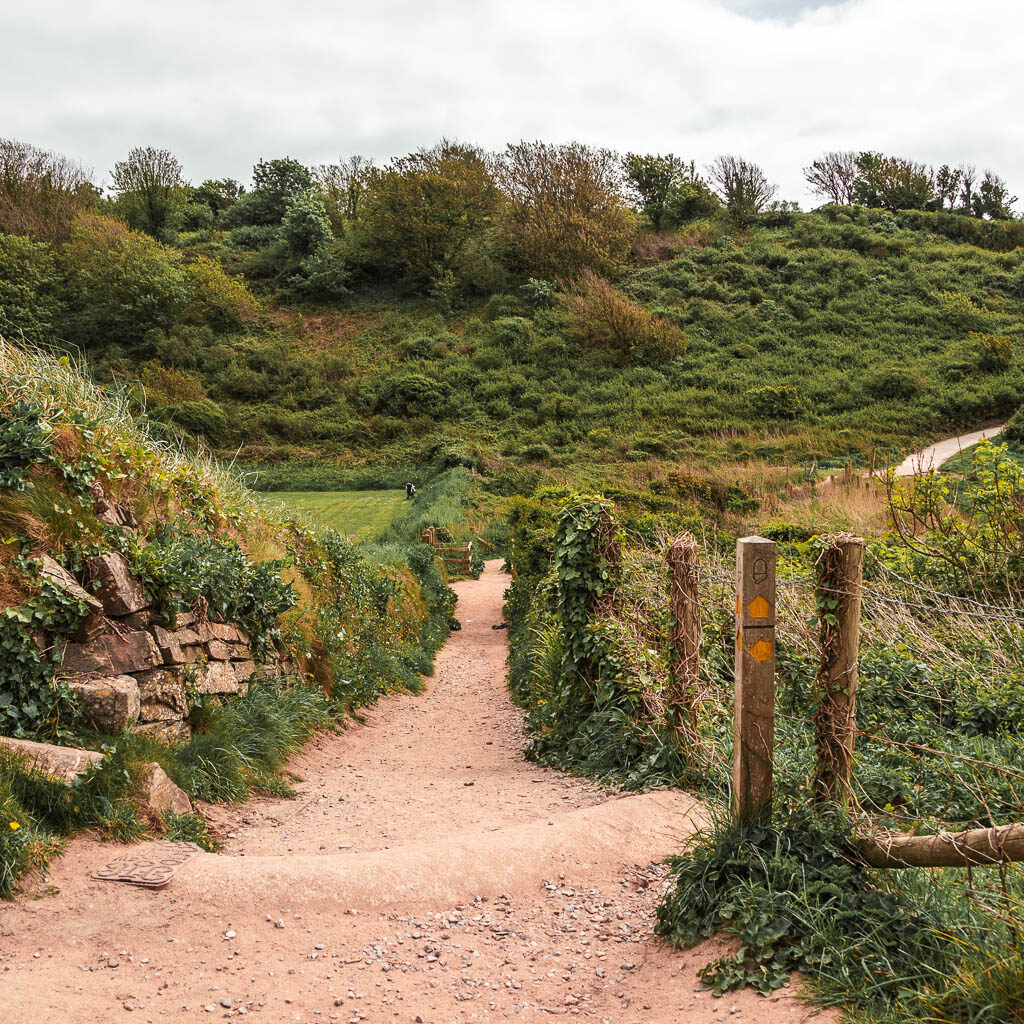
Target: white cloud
column 223, row 83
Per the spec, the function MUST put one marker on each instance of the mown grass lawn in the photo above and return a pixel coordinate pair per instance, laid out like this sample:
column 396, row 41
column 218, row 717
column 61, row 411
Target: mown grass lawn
column 362, row 514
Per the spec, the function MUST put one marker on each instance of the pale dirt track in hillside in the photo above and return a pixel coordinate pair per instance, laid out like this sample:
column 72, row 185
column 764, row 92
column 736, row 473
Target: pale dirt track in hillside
column 936, row 454
column 426, row 872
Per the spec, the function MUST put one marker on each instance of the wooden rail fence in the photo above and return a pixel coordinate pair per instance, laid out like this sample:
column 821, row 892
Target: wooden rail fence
column 457, row 558
column 839, row 585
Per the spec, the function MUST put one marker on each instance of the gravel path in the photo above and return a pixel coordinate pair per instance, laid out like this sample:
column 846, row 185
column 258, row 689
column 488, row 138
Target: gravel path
column 425, row 873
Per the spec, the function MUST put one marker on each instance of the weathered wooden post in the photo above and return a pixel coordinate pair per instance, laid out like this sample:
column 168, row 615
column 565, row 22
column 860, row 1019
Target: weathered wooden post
column 754, row 730
column 840, row 571
column 684, row 638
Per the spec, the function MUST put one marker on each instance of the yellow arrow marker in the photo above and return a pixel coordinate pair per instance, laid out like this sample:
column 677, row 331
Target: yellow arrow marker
column 759, row 608
column 761, row 651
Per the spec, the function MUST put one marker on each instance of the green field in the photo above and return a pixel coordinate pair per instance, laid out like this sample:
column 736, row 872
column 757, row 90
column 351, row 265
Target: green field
column 361, row 514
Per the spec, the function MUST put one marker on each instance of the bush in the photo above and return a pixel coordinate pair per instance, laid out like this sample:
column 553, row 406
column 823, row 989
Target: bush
column 30, row 305
column 894, row 382
column 217, row 299
column 601, row 317
column 778, row 401
column 411, row 395
column 120, row 284
column 995, row 352
column 203, row 418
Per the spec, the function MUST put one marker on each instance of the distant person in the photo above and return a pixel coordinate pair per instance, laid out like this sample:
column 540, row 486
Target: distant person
column 410, row 490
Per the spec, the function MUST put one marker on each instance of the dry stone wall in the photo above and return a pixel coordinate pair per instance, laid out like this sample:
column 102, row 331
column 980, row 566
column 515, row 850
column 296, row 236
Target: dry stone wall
column 131, row 670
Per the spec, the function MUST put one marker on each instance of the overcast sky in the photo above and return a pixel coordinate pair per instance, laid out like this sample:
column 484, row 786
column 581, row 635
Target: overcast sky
column 223, row 83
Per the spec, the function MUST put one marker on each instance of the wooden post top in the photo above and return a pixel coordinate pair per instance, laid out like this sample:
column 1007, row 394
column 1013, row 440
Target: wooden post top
column 755, row 583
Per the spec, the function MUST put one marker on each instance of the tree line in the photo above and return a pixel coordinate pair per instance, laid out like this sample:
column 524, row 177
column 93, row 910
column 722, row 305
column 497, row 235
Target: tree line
column 452, row 219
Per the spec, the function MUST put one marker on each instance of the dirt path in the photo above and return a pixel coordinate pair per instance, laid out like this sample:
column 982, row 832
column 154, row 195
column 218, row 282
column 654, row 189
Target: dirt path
column 935, row 455
column 426, row 872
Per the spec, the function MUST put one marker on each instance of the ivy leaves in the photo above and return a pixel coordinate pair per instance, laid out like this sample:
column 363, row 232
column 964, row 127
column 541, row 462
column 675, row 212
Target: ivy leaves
column 29, row 701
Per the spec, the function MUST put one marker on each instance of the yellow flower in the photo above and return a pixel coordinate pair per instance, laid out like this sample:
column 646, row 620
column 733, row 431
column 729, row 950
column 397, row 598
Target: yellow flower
column 15, row 825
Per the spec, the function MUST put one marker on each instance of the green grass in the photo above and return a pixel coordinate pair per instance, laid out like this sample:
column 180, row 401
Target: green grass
column 364, row 515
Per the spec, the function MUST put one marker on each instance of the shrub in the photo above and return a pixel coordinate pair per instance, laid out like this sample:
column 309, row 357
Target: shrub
column 203, row 418
column 120, row 284
column 893, row 382
column 995, row 352
column 601, row 317
column 217, row 299
column 775, row 401
column 411, row 394
column 29, row 290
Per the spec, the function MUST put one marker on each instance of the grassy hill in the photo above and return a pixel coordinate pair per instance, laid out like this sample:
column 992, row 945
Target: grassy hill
column 849, row 333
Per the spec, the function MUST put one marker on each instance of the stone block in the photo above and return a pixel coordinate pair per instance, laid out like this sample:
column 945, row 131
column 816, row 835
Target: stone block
column 244, row 670
column 94, row 622
column 217, row 677
column 158, row 794
column 137, row 620
column 162, row 695
column 181, row 647
column 65, row 763
column 110, row 704
column 172, row 733
column 217, row 650
column 111, row 655
column 119, row 592
column 222, row 631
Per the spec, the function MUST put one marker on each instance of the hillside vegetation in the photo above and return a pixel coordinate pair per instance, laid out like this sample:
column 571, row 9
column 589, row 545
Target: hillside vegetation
column 353, row 624
column 550, row 305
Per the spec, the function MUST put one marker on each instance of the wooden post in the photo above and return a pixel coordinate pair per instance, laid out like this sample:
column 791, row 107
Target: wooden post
column 754, row 730
column 840, row 570
column 684, row 637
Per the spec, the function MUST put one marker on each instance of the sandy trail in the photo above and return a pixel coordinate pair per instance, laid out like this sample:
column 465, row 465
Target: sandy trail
column 936, row 454
column 426, row 872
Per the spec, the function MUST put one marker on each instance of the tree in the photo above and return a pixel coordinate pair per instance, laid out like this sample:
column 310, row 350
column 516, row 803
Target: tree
column 833, row 175
column 947, row 184
column 892, row 182
column 344, row 184
column 993, row 198
column 426, row 215
column 41, row 192
column 650, row 178
column 743, row 186
column 305, row 227
column 29, row 290
column 275, row 184
column 564, row 209
column 217, row 193
column 150, row 190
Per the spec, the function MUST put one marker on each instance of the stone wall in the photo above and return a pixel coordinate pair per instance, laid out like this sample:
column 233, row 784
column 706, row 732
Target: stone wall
column 131, row 670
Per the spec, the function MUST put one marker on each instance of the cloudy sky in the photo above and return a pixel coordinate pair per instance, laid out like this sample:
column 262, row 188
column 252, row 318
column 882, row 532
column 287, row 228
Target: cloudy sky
column 223, row 83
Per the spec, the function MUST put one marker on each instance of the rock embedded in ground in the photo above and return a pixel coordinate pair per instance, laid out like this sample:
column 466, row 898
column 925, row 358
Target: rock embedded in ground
column 64, row 763
column 158, row 794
